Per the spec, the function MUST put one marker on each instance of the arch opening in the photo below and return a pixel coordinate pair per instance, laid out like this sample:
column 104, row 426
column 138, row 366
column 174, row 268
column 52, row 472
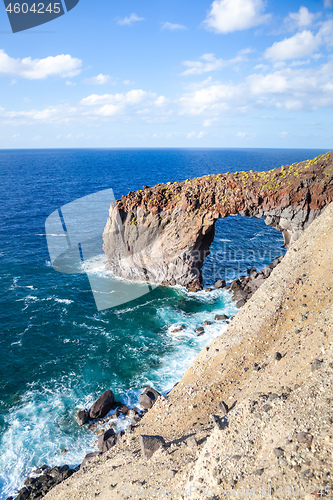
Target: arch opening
column 240, row 243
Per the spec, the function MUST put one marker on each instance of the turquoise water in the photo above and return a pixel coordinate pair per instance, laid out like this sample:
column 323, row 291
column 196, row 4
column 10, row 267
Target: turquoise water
column 57, row 352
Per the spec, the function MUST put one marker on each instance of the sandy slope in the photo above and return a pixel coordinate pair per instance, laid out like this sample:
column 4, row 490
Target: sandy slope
column 292, row 313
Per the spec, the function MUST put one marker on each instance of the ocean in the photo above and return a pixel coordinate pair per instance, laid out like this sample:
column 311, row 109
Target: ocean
column 58, row 353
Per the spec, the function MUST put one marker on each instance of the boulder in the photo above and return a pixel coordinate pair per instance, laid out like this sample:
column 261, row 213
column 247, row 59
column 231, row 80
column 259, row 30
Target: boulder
column 235, row 285
column 221, row 317
column 148, row 398
column 150, row 444
column 240, row 303
column 200, row 331
column 88, row 458
column 107, row 440
column 178, row 329
column 239, row 295
column 102, row 406
column 82, row 417
column 220, row 284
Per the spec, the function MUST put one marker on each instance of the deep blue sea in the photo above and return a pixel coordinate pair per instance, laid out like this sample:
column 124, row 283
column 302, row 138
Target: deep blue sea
column 57, row 352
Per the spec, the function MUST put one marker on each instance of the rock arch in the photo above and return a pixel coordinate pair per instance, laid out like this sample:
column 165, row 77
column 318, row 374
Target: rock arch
column 163, row 234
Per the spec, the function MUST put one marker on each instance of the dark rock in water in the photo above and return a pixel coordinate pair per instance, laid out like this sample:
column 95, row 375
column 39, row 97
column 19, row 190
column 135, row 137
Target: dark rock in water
column 88, row 458
column 240, row 303
column 220, row 284
column 178, row 329
column 223, row 408
column 107, row 440
column 124, row 410
column 252, row 270
column 82, row 417
column 208, row 289
column 150, row 444
column 200, row 331
column 38, row 487
column 239, row 295
column 23, row 494
column 41, row 469
column 220, row 317
column 102, row 406
column 235, row 285
column 206, row 323
column 148, row 398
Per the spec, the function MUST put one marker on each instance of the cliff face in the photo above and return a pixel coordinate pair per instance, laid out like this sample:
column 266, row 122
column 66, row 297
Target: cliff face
column 162, row 234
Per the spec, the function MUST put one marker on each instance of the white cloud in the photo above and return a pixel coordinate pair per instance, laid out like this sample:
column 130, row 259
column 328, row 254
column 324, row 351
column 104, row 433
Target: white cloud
column 227, row 16
column 303, row 18
column 242, row 135
column 133, row 18
column 132, row 97
column 195, row 135
column 300, row 45
column 173, row 27
column 209, row 122
column 98, row 80
column 37, row 69
column 209, row 63
column 288, row 88
column 325, row 33
column 135, row 102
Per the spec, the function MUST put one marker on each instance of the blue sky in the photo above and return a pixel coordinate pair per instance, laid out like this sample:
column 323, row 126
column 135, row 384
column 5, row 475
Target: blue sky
column 222, row 73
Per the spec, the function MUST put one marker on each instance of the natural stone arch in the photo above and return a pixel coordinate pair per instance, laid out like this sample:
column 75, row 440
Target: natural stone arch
column 163, row 233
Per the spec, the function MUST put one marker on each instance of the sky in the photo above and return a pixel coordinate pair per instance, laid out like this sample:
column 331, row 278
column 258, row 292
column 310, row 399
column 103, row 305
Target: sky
column 170, row 73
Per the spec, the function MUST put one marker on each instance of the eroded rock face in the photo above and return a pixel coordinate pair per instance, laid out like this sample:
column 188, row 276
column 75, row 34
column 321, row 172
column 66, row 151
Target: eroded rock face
column 162, row 234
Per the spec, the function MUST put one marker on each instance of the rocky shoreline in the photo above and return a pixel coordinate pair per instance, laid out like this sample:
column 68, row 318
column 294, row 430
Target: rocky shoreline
column 101, row 417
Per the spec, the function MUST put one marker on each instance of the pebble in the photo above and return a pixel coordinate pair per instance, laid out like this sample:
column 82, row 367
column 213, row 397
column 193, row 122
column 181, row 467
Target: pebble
column 272, row 396
column 277, row 356
column 259, row 472
column 223, row 407
column 278, row 452
column 316, row 364
column 304, row 438
column 192, row 442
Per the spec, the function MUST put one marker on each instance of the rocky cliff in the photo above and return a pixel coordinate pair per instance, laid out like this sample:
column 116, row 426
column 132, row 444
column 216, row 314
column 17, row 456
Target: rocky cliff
column 252, row 416
column 162, row 234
